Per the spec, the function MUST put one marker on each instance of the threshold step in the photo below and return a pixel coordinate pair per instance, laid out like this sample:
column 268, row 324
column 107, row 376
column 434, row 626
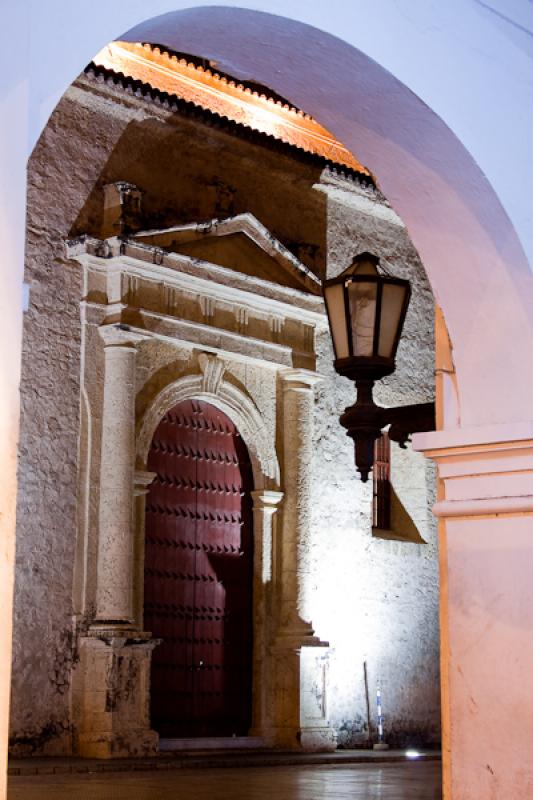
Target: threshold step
column 212, row 743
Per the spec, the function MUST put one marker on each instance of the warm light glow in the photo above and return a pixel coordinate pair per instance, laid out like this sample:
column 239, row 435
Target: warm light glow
column 215, row 93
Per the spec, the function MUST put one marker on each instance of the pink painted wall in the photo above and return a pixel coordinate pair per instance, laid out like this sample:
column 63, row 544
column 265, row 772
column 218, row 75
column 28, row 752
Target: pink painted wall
column 491, row 644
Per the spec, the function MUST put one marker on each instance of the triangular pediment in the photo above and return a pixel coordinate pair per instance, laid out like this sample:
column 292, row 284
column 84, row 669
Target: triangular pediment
column 240, row 243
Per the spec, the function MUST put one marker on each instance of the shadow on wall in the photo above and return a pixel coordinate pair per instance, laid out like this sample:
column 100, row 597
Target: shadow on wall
column 402, row 527
column 187, row 171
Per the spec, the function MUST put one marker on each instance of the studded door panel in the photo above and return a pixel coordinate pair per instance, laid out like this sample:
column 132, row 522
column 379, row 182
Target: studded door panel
column 198, row 574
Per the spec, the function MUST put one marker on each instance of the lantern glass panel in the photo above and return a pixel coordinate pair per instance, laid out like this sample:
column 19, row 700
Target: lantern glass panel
column 362, row 297
column 392, row 302
column 334, row 295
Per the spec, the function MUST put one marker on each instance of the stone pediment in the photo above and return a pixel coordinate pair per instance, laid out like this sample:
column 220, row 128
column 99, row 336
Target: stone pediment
column 240, row 243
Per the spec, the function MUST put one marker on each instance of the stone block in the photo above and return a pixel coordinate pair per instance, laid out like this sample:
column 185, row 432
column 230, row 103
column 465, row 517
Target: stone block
column 111, row 701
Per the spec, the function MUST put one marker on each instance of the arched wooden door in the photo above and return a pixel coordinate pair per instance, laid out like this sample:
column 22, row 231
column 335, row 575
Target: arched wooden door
column 198, row 574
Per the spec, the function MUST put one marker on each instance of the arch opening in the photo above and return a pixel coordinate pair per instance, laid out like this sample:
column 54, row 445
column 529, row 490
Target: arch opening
column 265, row 348
column 469, row 248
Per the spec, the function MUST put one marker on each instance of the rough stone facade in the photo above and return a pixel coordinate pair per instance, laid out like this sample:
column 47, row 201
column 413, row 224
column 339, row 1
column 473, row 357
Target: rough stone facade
column 374, row 600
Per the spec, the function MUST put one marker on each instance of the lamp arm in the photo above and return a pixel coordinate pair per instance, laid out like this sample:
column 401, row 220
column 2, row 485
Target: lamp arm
column 405, row 420
column 364, row 422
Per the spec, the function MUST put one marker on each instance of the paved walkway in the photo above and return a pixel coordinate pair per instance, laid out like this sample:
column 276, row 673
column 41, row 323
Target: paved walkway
column 204, row 759
column 416, row 780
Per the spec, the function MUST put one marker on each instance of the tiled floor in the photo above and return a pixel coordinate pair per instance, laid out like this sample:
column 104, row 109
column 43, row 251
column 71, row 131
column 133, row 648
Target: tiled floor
column 411, row 781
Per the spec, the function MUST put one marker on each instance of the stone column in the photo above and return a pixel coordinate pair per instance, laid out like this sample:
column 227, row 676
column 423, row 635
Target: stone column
column 266, row 502
column 114, row 581
column 141, row 486
column 298, row 693
column 485, row 512
column 298, row 412
column 111, row 687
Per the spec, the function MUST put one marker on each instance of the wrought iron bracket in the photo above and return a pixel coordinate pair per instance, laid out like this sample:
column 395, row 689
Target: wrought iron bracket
column 365, row 420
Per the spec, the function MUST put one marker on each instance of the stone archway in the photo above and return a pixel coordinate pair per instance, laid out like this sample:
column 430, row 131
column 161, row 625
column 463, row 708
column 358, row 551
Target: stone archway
column 209, row 386
column 470, row 250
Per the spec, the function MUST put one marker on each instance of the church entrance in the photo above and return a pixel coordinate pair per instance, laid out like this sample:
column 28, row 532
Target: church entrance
column 198, row 574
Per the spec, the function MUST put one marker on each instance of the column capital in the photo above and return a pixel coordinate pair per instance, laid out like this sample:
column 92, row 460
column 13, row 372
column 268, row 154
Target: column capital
column 141, row 482
column 484, row 471
column 299, row 378
column 118, row 335
column 267, row 499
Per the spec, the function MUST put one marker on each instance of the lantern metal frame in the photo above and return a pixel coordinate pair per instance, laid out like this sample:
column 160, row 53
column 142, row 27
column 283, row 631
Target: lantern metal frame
column 364, row 421
column 373, row 366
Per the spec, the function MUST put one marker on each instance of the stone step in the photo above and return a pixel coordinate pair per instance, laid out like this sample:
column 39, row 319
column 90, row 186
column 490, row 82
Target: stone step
column 206, row 759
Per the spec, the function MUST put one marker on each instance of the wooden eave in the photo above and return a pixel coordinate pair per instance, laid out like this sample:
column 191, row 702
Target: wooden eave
column 206, row 89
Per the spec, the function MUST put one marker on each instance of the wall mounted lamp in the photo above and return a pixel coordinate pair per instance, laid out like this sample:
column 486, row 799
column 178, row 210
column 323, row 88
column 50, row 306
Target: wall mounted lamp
column 366, row 311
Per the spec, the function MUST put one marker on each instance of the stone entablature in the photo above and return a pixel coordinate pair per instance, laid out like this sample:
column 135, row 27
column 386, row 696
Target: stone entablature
column 172, row 296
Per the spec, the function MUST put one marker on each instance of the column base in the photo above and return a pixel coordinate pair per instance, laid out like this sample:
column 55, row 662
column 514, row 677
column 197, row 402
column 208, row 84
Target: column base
column 316, row 734
column 137, row 743
column 322, row 739
column 111, row 696
column 297, row 718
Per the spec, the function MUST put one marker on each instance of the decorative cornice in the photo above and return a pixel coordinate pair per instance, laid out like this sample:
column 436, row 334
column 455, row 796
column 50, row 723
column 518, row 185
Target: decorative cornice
column 474, row 438
column 119, row 335
column 182, row 272
column 267, row 500
column 484, row 471
column 299, row 379
column 141, row 482
column 245, row 224
column 218, row 94
column 486, row 507
column 95, row 76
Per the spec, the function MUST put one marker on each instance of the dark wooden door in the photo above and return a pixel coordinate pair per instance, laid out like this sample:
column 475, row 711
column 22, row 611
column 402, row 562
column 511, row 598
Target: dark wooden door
column 198, row 574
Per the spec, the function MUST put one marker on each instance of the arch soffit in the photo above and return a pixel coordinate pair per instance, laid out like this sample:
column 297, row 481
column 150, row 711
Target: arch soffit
column 474, row 260
column 238, row 406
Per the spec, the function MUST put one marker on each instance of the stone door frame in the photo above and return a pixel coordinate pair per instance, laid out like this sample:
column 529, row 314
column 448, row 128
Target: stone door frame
column 210, row 386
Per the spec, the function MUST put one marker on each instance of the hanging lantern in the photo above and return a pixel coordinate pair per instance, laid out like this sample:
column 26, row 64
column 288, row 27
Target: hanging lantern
column 366, row 311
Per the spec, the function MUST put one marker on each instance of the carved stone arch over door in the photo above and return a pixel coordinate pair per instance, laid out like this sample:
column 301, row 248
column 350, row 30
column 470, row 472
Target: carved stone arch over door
column 198, row 574
column 240, row 408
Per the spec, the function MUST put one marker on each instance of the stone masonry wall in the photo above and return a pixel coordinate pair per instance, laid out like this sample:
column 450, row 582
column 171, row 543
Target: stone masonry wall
column 378, row 603
column 374, row 600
